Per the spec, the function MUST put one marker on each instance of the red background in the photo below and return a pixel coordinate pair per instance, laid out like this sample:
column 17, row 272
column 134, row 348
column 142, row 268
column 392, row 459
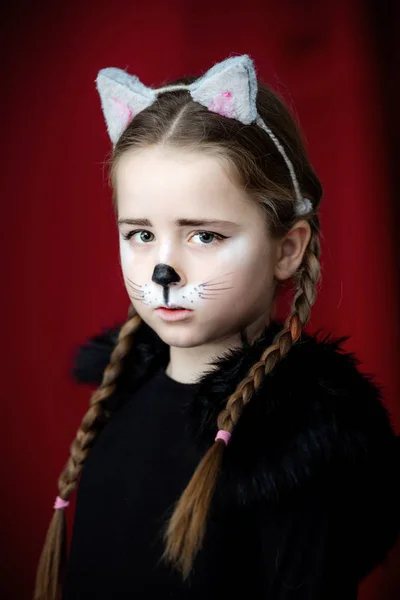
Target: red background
column 60, row 273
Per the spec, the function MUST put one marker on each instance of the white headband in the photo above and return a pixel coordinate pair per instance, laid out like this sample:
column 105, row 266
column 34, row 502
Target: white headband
column 229, row 88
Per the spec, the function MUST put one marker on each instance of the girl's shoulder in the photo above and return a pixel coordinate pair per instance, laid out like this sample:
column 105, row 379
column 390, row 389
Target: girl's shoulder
column 316, row 413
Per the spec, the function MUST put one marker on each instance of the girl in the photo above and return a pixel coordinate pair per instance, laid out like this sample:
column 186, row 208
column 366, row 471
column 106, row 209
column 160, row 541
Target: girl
column 223, row 450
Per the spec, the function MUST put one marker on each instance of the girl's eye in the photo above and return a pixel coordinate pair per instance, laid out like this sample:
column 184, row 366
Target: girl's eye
column 207, row 237
column 143, row 237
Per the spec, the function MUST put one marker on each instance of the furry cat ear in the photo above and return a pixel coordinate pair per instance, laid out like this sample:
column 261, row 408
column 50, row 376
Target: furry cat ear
column 229, row 88
column 122, row 97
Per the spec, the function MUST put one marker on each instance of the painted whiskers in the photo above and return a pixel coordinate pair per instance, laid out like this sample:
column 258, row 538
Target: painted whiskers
column 208, row 290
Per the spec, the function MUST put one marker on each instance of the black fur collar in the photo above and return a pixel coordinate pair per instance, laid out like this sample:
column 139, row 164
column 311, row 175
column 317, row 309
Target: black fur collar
column 316, row 420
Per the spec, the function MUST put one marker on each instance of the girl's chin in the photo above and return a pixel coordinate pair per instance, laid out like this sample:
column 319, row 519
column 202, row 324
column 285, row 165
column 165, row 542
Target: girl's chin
column 182, row 334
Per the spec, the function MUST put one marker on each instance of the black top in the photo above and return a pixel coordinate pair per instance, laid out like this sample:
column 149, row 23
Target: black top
column 137, row 469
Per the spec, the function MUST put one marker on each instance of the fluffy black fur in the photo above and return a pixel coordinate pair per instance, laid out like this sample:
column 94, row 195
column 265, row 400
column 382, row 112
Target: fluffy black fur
column 317, row 420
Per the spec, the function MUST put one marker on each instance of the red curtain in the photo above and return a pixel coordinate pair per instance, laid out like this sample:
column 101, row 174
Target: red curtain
column 61, row 273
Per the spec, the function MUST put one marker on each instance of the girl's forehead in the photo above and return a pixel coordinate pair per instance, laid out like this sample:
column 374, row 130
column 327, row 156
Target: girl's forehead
column 170, row 179
column 165, row 165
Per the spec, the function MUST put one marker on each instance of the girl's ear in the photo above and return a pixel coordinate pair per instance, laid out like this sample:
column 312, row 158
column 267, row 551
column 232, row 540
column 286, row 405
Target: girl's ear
column 290, row 250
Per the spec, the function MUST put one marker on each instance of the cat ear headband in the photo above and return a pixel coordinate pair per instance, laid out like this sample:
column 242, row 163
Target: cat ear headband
column 229, row 88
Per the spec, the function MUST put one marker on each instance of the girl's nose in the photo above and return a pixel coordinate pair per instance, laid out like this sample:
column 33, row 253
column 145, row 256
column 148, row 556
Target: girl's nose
column 164, row 275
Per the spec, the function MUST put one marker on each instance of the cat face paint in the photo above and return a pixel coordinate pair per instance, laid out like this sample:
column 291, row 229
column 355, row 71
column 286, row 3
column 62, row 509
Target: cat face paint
column 190, row 237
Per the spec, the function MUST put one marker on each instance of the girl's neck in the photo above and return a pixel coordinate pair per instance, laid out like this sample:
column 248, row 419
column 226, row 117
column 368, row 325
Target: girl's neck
column 186, row 365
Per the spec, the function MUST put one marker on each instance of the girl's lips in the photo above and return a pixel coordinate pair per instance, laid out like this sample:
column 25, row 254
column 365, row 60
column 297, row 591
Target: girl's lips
column 175, row 314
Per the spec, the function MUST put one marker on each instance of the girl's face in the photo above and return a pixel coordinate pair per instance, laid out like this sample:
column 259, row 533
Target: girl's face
column 191, row 237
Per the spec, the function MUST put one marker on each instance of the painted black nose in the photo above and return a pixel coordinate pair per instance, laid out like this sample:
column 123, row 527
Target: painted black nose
column 164, row 275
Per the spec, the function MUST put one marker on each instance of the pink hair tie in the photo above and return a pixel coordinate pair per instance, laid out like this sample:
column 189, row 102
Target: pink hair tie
column 60, row 503
column 223, row 435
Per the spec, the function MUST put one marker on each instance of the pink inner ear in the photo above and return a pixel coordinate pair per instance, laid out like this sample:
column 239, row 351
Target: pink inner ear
column 122, row 111
column 223, row 105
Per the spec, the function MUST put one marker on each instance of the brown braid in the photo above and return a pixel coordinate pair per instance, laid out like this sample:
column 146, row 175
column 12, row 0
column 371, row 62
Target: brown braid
column 53, row 557
column 185, row 531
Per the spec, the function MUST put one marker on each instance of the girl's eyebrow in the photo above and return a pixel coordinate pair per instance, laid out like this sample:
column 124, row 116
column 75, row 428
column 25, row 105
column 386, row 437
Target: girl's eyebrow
column 180, row 222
